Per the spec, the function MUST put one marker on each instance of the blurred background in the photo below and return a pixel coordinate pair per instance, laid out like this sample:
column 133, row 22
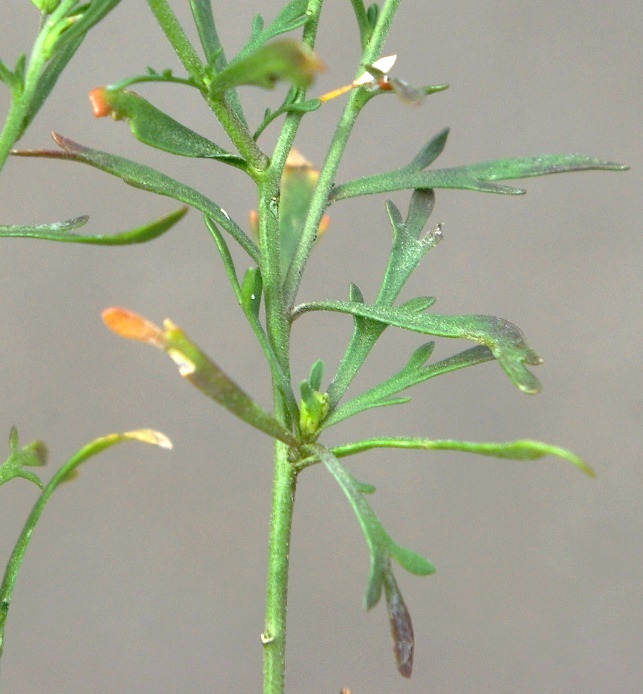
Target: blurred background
column 147, row 573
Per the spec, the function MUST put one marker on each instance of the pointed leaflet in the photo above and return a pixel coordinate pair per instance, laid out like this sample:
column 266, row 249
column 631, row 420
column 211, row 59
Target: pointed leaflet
column 196, row 367
column 145, row 178
column 62, row 231
column 505, row 340
column 523, row 449
column 291, row 16
column 380, row 546
column 155, row 128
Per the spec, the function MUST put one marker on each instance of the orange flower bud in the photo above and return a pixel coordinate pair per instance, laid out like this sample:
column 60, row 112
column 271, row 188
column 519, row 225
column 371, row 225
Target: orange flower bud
column 128, row 324
column 100, row 107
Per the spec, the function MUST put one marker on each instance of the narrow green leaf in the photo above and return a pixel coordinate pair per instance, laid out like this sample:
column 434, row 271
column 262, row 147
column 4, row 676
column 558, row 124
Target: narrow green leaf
column 504, row 339
column 380, row 546
column 280, row 60
column 145, row 178
column 155, row 128
column 363, row 23
column 522, row 449
column 478, row 177
column 407, row 179
column 204, row 21
column 61, row 231
column 316, row 374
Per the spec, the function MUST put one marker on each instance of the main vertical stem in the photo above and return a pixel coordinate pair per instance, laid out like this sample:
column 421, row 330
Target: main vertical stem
column 274, row 635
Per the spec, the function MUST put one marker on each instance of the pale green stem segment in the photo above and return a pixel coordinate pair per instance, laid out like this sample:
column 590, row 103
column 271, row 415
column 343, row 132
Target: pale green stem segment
column 273, row 637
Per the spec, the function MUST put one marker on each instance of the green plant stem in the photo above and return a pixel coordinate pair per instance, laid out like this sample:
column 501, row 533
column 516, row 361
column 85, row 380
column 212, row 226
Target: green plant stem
column 278, row 330
column 327, row 174
column 274, row 635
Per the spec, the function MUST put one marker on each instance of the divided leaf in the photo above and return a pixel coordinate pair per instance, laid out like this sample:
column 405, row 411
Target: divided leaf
column 408, row 249
column 413, row 373
column 478, row 177
column 380, row 545
column 505, row 340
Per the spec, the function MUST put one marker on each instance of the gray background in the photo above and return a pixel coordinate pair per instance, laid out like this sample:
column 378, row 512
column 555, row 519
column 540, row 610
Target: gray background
column 146, row 574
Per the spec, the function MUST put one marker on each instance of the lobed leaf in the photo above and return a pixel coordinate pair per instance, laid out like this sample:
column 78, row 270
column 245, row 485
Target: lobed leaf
column 505, row 340
column 478, row 177
column 380, row 545
column 34, row 454
column 62, row 231
column 413, row 373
